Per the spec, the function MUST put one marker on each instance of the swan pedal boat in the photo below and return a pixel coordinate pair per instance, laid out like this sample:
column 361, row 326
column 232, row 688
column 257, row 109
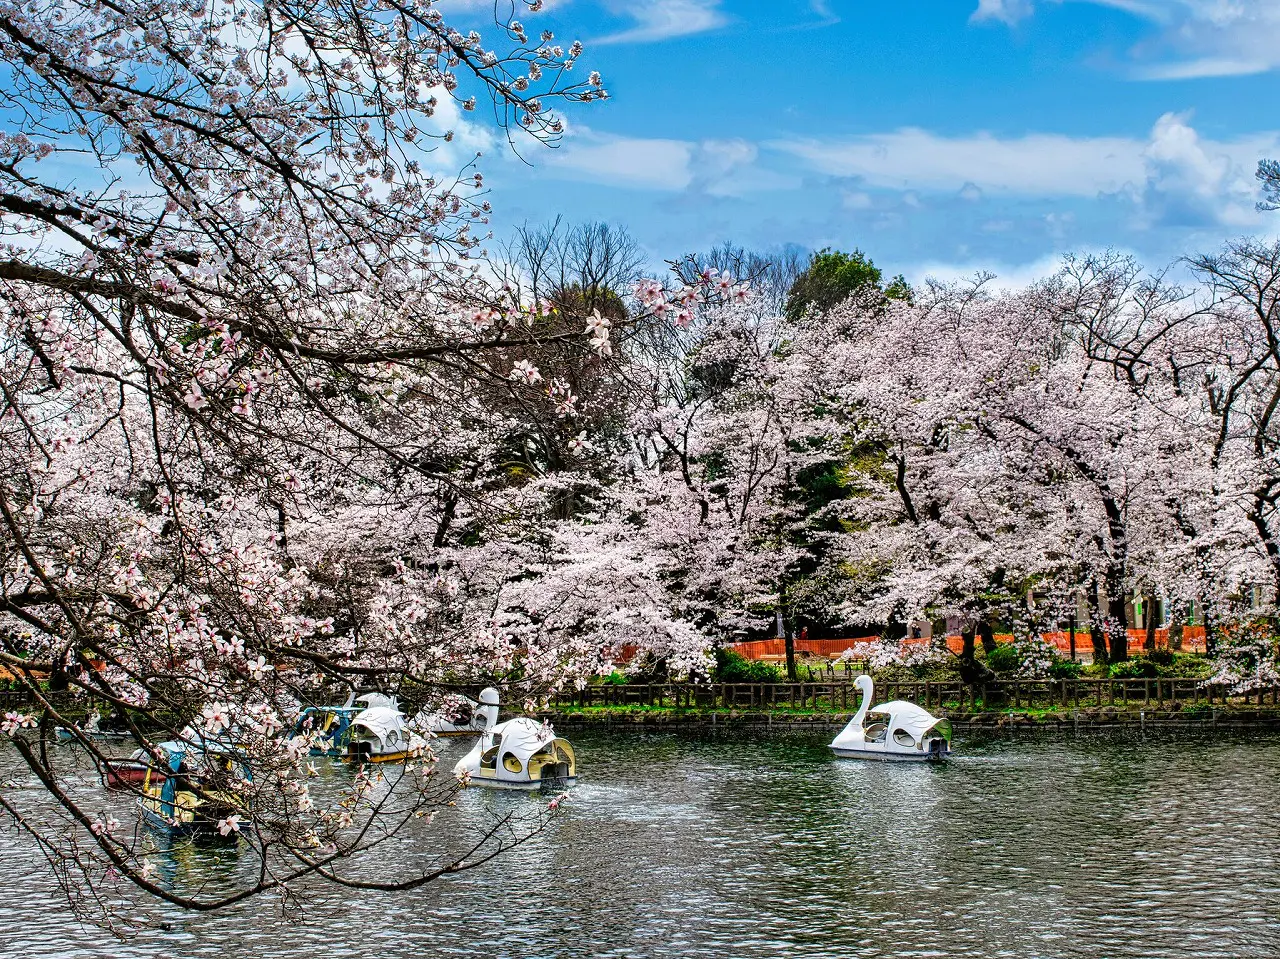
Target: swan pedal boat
column 896, row 731
column 519, row 754
column 379, row 733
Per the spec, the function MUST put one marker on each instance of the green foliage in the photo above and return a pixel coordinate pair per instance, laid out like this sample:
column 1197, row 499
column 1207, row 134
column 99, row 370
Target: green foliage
column 1065, row 669
column 832, row 277
column 615, row 678
column 1158, row 663
column 733, row 668
column 1032, row 661
column 1004, row 659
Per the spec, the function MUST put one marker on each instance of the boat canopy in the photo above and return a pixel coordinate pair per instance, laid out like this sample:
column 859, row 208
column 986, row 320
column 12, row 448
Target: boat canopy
column 523, row 737
column 381, row 722
column 378, row 701
column 908, row 716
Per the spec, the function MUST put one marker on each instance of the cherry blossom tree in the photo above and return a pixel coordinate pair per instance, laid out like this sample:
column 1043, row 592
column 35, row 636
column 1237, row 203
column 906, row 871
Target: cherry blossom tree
column 1016, row 459
column 1203, row 357
column 259, row 401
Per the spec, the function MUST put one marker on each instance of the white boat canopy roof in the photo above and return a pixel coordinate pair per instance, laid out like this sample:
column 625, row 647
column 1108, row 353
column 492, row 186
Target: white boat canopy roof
column 378, row 701
column 381, row 721
column 522, row 737
column 914, row 719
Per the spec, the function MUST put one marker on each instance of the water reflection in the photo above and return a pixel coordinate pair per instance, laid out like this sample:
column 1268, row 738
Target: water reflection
column 679, row 848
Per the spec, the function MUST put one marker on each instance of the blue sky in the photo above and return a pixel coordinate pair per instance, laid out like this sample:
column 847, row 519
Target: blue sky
column 939, row 136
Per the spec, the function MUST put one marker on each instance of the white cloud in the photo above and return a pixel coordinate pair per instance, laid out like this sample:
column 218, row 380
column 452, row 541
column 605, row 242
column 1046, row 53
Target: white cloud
column 1192, row 38
column 1006, row 11
column 1173, row 175
column 664, row 19
column 1192, row 181
column 1038, row 164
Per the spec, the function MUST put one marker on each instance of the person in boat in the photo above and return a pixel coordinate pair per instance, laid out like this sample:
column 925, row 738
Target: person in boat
column 116, row 721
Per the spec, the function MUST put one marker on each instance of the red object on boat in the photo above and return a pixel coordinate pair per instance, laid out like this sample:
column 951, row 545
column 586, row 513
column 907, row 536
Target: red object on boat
column 123, row 773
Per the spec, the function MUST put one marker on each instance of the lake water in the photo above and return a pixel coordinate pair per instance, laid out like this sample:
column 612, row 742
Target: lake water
column 672, row 847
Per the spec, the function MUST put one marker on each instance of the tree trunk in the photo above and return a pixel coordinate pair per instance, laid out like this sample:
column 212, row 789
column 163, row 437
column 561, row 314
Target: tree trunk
column 1210, row 639
column 788, row 634
column 1149, row 615
column 1119, row 628
column 988, row 636
column 1098, row 637
column 1097, row 630
column 971, row 671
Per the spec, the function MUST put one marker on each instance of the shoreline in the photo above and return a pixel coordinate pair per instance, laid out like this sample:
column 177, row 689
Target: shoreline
column 1011, row 724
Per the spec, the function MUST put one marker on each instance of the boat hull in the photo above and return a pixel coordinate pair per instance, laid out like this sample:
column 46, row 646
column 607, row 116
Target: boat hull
column 125, row 774
column 357, row 758
column 880, row 755
column 511, row 785
column 198, row 830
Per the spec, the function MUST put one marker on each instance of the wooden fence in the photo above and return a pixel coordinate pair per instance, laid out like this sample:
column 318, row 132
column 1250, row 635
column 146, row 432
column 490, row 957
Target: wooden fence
column 942, row 696
column 841, row 695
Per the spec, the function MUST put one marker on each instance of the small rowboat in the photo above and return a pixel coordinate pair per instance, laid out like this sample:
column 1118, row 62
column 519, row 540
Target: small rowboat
column 182, row 801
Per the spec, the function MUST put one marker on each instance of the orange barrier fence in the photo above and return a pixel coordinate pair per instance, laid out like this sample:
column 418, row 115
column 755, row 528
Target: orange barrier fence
column 1192, row 642
column 830, row 648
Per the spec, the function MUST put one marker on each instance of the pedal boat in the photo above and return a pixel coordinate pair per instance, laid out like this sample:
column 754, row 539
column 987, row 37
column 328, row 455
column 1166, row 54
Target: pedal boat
column 518, row 754
column 896, row 731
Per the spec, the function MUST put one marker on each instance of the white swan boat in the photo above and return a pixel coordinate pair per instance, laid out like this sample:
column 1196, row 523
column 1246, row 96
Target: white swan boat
column 517, row 754
column 456, row 716
column 897, row 731
column 379, row 733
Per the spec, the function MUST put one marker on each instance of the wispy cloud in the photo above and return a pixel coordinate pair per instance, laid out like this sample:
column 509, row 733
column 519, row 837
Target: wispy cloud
column 1173, row 176
column 714, row 167
column 826, row 15
column 1038, row 164
column 664, row 19
column 1008, row 275
column 1191, row 39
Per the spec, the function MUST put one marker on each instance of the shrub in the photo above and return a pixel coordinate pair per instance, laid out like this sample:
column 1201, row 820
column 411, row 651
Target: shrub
column 1004, row 659
column 1065, row 669
column 1140, row 667
column 733, row 668
column 1031, row 659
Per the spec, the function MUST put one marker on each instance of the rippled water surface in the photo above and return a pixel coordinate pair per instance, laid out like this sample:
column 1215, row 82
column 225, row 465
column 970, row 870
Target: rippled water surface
column 671, row 847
